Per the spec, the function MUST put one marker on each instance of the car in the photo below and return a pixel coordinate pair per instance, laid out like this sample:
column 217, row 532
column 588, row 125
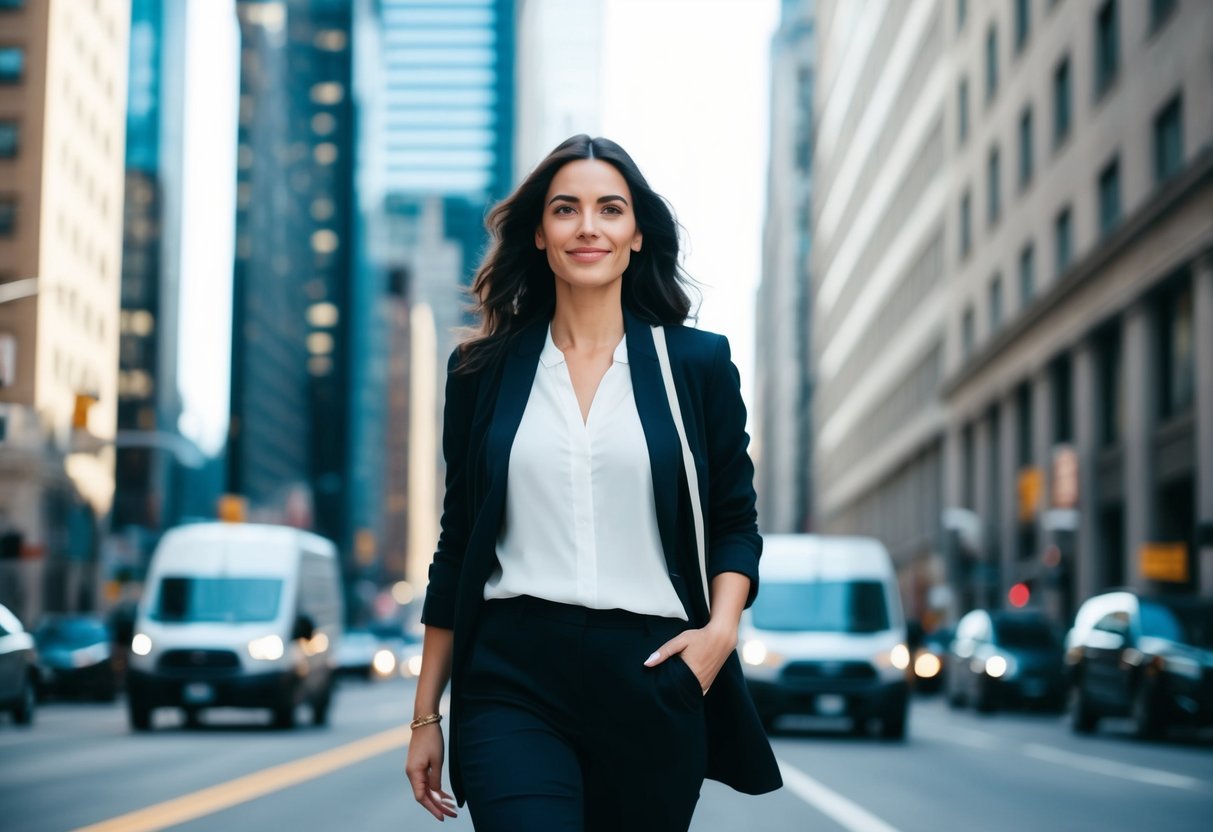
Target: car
column 363, row 654
column 237, row 615
column 76, row 657
column 929, row 659
column 18, row 669
column 1004, row 658
column 826, row 635
column 1142, row 656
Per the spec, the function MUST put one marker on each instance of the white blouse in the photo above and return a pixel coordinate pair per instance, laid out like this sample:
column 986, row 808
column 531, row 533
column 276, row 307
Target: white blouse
column 580, row 517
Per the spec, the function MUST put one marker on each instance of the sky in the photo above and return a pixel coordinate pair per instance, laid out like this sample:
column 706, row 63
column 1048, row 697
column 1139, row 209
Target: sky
column 686, row 93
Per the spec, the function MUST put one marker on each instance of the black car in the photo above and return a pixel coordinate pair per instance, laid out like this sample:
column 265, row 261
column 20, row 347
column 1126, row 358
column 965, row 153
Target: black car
column 76, row 657
column 929, row 654
column 18, row 668
column 1005, row 658
column 1150, row 658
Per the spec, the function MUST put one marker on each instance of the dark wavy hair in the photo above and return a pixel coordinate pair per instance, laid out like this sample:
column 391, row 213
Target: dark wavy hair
column 514, row 285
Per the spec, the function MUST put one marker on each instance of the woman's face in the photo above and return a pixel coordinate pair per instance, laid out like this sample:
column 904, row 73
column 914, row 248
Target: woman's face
column 589, row 225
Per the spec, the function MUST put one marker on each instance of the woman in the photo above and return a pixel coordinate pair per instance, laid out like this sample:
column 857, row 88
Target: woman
column 593, row 686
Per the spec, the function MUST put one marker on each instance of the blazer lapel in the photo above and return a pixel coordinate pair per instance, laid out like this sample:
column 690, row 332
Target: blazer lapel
column 665, row 451
column 517, row 377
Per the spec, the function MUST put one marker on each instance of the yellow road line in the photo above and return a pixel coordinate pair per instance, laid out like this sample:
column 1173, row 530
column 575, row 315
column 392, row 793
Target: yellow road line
column 243, row 789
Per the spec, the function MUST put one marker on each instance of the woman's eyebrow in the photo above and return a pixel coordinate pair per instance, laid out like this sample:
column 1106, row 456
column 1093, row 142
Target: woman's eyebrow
column 575, row 200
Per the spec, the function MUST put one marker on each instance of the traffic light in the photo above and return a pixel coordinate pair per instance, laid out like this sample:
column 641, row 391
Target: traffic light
column 1019, row 595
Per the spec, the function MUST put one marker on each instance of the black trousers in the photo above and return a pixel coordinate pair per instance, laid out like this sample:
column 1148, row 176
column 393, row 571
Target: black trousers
column 564, row 729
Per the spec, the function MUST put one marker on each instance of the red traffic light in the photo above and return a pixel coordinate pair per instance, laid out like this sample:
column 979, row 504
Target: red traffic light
column 1019, row 595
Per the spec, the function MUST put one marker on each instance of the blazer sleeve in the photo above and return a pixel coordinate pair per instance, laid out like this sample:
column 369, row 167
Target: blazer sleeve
column 733, row 543
column 439, row 607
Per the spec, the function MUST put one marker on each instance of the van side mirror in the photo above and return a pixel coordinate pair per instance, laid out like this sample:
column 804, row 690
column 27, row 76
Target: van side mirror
column 305, row 628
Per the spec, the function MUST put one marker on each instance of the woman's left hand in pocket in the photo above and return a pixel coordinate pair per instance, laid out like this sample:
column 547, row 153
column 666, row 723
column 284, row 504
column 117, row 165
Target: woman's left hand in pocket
column 704, row 650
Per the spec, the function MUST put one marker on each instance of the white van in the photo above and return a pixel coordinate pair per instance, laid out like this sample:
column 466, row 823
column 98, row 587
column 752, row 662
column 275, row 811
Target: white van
column 826, row 635
column 236, row 615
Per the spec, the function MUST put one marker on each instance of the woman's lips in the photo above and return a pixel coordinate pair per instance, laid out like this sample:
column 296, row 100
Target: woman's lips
column 588, row 255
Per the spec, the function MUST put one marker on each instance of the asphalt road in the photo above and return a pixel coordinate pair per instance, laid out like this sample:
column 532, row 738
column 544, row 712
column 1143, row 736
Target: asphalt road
column 79, row 767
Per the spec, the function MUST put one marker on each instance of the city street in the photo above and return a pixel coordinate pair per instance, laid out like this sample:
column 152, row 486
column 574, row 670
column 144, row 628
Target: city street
column 79, row 767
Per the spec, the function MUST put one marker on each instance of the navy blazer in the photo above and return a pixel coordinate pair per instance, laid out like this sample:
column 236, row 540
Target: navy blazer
column 482, row 414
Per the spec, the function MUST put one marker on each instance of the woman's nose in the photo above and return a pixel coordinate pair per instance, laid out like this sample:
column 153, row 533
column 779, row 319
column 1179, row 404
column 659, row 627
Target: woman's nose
column 587, row 229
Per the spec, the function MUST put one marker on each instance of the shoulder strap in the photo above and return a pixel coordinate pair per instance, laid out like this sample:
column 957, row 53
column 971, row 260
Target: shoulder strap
column 688, row 461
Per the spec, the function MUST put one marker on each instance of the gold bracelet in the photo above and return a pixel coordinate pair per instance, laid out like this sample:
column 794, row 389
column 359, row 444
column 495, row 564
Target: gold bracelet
column 428, row 719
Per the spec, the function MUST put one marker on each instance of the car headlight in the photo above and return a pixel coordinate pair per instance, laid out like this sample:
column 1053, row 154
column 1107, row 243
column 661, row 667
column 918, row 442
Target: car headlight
column 927, row 666
column 898, row 658
column 141, row 644
column 999, row 666
column 756, row 654
column 267, row 648
column 384, row 662
column 413, row 665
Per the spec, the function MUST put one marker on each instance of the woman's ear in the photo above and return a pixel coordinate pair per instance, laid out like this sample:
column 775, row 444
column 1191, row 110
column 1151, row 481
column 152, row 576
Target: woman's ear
column 636, row 241
column 539, row 241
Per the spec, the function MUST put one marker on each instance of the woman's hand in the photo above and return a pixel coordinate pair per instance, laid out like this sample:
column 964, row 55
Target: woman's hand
column 424, row 770
column 704, row 651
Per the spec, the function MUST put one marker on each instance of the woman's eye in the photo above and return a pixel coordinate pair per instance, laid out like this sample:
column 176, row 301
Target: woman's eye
column 611, row 209
column 563, row 209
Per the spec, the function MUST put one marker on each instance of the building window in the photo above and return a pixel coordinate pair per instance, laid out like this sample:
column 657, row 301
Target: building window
column 968, row 334
column 962, row 110
column 1062, row 396
column 1168, row 140
column 1063, row 238
column 1109, row 196
column 962, row 13
column 1061, row 102
column 12, row 64
column 1107, row 47
column 996, row 303
column 991, row 62
column 1023, row 23
column 1111, row 402
column 1177, row 351
column 1023, row 424
column 993, row 188
column 1160, row 12
column 1027, row 155
column 10, row 139
column 1027, row 275
column 966, row 224
column 8, row 216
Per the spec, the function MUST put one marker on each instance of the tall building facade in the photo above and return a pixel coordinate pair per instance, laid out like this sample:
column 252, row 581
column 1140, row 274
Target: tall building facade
column 62, row 124
column 559, row 85
column 1079, row 361
column 880, row 294
column 1014, row 302
column 782, row 413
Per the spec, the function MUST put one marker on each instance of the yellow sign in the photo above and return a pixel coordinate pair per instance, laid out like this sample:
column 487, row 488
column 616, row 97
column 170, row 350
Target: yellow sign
column 1030, row 486
column 1164, row 562
column 233, row 508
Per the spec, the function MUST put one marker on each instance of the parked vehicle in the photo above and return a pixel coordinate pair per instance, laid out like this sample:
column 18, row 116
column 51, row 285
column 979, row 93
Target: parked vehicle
column 929, row 660
column 365, row 655
column 1150, row 658
column 76, row 657
column 237, row 615
column 18, row 669
column 826, row 635
column 1005, row 658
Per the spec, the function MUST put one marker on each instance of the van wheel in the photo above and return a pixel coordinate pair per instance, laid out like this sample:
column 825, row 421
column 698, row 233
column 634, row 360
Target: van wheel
column 1083, row 718
column 1147, row 720
column 893, row 724
column 139, row 715
column 284, row 716
column 23, row 711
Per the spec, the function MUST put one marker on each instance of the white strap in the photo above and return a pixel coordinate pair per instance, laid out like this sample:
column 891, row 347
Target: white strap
column 688, row 461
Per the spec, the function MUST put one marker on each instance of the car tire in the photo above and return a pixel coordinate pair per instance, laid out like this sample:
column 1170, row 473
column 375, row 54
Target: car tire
column 139, row 715
column 1083, row 719
column 27, row 704
column 893, row 723
column 1147, row 720
column 985, row 700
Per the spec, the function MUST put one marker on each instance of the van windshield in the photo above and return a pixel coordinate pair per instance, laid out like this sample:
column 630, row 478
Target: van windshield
column 822, row 607
column 235, row 600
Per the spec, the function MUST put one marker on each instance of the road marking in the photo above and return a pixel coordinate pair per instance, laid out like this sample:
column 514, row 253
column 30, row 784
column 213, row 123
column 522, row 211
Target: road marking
column 1111, row 768
column 958, row 735
column 842, row 810
column 258, row 784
